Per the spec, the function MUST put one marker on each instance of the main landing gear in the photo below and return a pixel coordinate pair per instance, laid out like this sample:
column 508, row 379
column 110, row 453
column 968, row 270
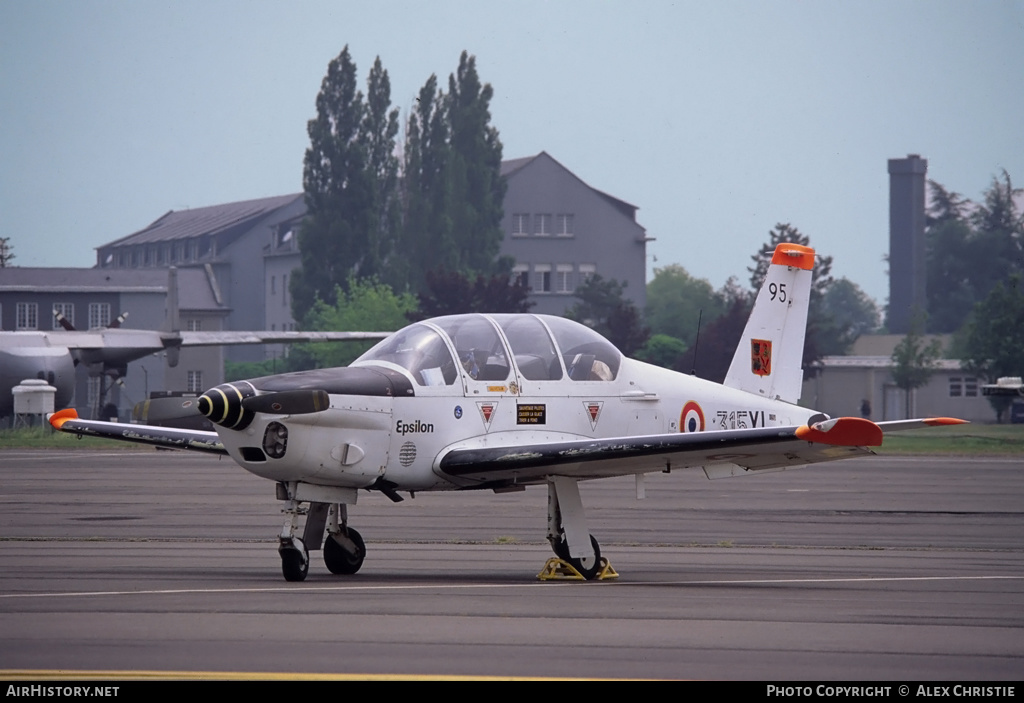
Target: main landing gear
column 344, row 549
column 577, row 552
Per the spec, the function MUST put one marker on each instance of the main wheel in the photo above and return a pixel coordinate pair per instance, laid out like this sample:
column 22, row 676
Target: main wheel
column 587, row 566
column 294, row 563
column 339, row 559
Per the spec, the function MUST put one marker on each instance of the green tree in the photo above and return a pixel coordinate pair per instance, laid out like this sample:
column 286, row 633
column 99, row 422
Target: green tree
column 454, row 292
column 478, row 187
column 675, row 302
column 713, row 352
column 5, row 252
column 603, row 307
column 350, row 179
column 377, row 136
column 453, row 184
column 365, row 305
column 850, row 312
column 994, row 345
column 969, row 249
column 427, row 191
column 666, row 351
column 914, row 361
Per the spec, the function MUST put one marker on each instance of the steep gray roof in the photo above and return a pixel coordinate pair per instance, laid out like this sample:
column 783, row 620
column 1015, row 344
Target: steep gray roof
column 182, row 224
column 512, row 166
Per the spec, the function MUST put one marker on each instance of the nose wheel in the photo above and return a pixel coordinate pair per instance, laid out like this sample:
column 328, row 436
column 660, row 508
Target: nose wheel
column 294, row 559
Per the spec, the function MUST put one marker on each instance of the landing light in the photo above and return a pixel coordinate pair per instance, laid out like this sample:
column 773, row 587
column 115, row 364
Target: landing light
column 275, row 440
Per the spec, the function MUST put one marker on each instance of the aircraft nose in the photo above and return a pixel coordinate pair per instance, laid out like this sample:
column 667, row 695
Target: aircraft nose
column 223, row 405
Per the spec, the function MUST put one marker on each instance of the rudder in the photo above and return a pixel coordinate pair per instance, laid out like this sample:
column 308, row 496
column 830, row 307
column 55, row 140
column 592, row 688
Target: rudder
column 768, row 359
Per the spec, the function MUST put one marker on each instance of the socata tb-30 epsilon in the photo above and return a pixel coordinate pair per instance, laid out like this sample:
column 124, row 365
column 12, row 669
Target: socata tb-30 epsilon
column 501, row 402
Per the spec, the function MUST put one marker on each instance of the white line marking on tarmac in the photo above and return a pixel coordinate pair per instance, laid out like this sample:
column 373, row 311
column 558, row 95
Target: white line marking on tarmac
column 452, row 587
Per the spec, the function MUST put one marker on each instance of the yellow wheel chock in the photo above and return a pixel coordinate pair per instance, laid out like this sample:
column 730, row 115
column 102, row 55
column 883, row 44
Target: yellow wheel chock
column 560, row 570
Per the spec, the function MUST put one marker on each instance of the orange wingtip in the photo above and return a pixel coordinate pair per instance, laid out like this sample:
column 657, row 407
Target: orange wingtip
column 58, row 418
column 789, row 254
column 935, row 421
column 844, row 432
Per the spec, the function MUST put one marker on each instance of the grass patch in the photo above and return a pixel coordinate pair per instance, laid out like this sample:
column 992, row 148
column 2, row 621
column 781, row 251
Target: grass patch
column 989, row 440
column 45, row 437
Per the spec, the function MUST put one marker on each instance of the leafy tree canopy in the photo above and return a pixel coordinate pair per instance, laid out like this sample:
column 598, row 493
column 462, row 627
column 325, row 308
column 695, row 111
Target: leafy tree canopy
column 454, row 292
column 851, row 313
column 663, row 350
column 368, row 306
column 675, row 301
column 970, row 248
column 994, row 345
column 603, row 308
column 452, row 178
column 914, row 361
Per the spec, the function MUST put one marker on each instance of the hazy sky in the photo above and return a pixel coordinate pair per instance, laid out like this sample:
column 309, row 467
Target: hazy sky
column 717, row 119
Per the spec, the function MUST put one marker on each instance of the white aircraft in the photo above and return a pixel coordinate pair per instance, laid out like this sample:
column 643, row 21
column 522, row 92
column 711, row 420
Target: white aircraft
column 501, row 402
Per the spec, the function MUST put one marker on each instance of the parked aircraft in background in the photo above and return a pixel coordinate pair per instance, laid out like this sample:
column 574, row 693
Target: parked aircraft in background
column 500, row 402
column 53, row 356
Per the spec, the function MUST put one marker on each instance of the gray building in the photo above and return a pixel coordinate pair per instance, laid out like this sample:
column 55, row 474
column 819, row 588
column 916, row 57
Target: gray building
column 247, row 250
column 93, row 298
column 560, row 231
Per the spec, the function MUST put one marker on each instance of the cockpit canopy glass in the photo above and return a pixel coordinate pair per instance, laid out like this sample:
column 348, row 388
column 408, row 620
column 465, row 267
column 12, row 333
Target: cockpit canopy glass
column 570, row 349
column 478, row 346
column 535, row 353
column 419, row 350
column 587, row 355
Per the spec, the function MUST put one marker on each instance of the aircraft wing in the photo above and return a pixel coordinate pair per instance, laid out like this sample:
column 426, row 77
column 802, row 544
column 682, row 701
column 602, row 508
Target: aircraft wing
column 720, row 453
column 209, row 339
column 196, row 440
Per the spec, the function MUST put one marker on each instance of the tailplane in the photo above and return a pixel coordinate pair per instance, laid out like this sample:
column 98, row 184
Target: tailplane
column 767, row 362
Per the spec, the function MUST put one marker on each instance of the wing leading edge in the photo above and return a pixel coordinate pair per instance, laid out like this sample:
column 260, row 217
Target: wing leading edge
column 719, row 452
column 209, row 442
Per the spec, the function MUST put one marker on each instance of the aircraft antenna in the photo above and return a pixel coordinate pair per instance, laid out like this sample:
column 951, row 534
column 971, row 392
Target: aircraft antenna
column 696, row 341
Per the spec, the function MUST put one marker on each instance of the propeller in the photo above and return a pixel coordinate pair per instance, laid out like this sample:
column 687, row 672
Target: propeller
column 300, row 402
column 182, row 412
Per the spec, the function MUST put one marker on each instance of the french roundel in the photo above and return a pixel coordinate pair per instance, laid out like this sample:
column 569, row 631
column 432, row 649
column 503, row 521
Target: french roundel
column 691, row 419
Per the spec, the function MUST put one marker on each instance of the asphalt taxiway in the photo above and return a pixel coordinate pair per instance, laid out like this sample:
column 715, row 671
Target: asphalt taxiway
column 876, row 569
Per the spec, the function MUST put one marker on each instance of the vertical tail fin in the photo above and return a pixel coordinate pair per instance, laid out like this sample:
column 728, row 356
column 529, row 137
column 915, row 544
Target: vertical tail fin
column 768, row 359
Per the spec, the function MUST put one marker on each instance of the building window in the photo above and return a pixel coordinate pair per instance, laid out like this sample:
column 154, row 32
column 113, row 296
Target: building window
column 194, row 325
column 563, row 278
column 273, row 285
column 284, row 290
column 971, row 387
column 963, row 387
column 542, row 278
column 563, row 225
column 285, row 240
column 28, row 316
column 99, row 315
column 587, row 271
column 542, row 225
column 65, row 309
column 520, row 225
column 195, row 382
column 521, row 275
